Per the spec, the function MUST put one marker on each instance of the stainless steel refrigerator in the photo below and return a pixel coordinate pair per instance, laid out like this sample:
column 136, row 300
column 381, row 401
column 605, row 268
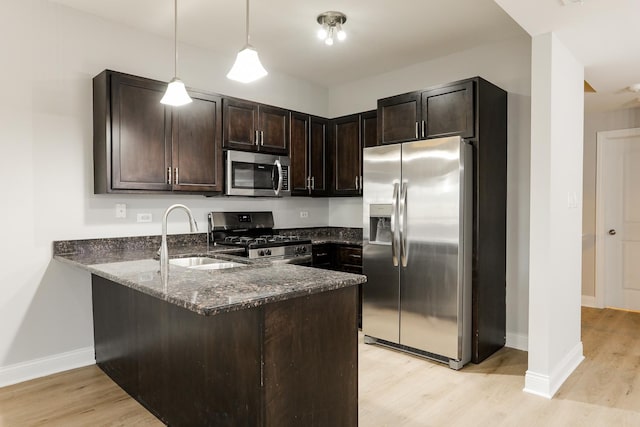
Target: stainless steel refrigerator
column 417, row 231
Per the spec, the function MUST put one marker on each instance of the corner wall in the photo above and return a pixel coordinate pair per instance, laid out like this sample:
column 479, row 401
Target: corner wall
column 557, row 114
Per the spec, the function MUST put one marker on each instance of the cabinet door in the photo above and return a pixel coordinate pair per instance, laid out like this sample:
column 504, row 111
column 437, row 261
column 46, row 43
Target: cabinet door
column 299, row 154
column 197, row 151
column 369, row 131
column 448, row 111
column 346, row 154
column 318, row 159
column 274, row 128
column 240, row 125
column 140, row 126
column 323, row 256
column 398, row 118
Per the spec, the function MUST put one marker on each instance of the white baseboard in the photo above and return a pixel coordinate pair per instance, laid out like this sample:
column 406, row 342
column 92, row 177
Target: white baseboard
column 517, row 341
column 548, row 385
column 589, row 301
column 44, row 366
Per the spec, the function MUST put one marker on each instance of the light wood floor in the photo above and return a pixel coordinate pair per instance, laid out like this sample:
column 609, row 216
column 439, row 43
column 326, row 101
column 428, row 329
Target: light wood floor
column 400, row 390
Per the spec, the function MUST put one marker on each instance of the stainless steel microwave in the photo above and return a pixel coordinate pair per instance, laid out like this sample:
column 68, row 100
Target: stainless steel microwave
column 256, row 174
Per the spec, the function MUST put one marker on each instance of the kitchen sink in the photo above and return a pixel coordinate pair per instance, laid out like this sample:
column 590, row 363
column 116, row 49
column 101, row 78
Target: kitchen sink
column 205, row 263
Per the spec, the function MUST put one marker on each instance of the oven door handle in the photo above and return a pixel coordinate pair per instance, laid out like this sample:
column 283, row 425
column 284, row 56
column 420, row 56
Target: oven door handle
column 279, row 186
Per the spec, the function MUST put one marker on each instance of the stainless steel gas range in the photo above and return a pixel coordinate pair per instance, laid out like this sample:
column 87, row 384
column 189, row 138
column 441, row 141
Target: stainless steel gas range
column 254, row 232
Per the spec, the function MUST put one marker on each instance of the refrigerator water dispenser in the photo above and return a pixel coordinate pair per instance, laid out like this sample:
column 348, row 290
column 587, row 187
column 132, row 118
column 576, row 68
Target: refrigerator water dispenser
column 380, row 224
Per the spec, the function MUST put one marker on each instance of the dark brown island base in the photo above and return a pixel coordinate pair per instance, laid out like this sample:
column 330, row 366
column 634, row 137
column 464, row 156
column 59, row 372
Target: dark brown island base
column 256, row 345
column 286, row 363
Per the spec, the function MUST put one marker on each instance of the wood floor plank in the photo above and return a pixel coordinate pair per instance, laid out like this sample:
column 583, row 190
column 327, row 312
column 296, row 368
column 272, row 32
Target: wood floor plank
column 396, row 389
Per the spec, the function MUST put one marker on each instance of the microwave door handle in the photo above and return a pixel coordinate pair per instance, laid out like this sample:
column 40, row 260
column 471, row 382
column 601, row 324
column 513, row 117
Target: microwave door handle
column 279, row 186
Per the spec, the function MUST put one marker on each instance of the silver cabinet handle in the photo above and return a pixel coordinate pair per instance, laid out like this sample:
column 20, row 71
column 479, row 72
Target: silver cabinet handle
column 394, row 228
column 169, row 176
column 357, row 178
column 313, row 182
column 417, row 131
column 261, row 137
column 322, row 254
column 256, row 138
column 403, row 223
column 175, row 176
column 355, row 256
column 279, row 187
column 424, row 129
column 612, row 232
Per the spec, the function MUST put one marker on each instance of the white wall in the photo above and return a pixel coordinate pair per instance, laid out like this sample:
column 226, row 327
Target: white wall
column 50, row 53
column 557, row 117
column 594, row 123
column 508, row 65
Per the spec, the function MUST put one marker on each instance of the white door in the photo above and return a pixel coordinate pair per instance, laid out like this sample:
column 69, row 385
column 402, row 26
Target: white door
column 618, row 228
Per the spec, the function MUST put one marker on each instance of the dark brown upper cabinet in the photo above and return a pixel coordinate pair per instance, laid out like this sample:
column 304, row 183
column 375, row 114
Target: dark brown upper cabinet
column 196, row 129
column 309, row 155
column 346, row 143
column 398, row 118
column 369, row 128
column 299, row 154
column 249, row 126
column 141, row 145
column 318, row 159
column 448, row 111
column 445, row 110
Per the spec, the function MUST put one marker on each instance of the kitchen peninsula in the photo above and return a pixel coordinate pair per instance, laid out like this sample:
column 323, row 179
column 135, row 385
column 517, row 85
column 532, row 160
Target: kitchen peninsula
column 258, row 344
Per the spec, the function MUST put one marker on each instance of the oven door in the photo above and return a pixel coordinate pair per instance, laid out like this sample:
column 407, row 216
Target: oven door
column 255, row 174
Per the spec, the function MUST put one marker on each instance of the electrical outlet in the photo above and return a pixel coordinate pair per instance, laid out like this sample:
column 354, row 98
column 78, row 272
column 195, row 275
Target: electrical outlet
column 121, row 210
column 304, row 214
column 144, row 217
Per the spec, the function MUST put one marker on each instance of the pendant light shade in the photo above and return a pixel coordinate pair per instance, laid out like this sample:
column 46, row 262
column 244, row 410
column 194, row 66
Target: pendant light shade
column 176, row 94
column 247, row 67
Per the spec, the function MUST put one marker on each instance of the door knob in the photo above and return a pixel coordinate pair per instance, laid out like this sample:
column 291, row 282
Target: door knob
column 612, row 232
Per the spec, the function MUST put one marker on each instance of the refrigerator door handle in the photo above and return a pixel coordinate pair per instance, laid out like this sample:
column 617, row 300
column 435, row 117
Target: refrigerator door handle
column 404, row 252
column 395, row 240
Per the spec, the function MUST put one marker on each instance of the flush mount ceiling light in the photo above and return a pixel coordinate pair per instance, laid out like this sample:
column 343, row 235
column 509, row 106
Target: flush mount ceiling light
column 176, row 93
column 567, row 2
column 247, row 67
column 331, row 27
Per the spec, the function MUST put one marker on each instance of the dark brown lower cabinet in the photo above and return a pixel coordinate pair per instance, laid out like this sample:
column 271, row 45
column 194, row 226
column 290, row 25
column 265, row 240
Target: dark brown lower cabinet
column 281, row 364
column 340, row 257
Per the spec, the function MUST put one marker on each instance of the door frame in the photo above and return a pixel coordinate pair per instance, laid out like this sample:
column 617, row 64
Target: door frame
column 602, row 138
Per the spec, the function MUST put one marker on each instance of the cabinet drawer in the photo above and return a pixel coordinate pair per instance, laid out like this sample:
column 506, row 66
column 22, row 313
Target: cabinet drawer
column 349, row 256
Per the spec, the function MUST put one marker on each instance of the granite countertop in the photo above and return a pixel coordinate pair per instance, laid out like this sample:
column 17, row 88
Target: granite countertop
column 130, row 262
column 320, row 235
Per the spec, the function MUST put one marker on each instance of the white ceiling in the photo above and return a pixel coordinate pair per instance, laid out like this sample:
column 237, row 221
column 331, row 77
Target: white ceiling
column 384, row 34
column 604, row 35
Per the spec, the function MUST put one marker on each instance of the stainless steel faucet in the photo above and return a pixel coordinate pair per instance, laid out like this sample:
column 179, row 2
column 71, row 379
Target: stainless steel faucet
column 164, row 250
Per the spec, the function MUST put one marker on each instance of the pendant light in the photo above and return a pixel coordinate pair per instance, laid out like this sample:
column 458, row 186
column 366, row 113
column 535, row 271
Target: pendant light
column 247, row 67
column 176, row 94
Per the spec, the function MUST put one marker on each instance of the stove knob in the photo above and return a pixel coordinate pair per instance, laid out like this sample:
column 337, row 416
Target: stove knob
column 304, row 249
column 267, row 252
column 260, row 252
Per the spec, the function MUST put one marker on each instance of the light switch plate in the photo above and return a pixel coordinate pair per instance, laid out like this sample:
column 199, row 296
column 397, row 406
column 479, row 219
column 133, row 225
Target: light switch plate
column 304, row 214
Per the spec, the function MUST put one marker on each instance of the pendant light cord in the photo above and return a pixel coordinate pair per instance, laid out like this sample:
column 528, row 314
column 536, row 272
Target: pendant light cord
column 248, row 44
column 175, row 38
